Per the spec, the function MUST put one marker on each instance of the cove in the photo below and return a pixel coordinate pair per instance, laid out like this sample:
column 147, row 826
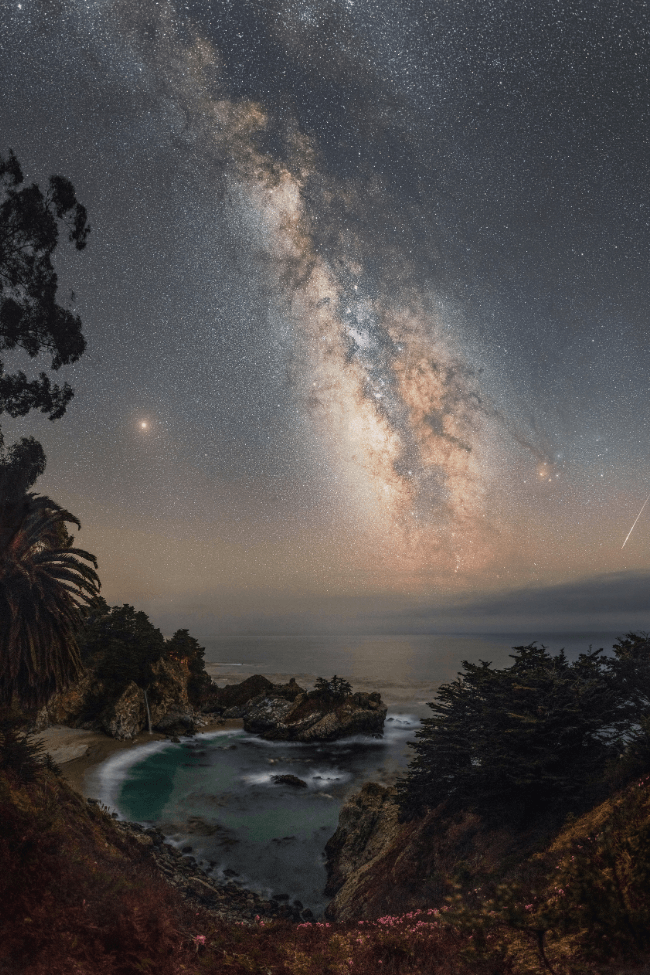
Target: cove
column 216, row 793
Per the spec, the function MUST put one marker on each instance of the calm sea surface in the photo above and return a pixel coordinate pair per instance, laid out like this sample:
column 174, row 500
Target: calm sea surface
column 216, row 793
column 406, row 669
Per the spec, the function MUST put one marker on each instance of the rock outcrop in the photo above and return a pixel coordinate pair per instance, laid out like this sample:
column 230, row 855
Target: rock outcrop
column 126, row 715
column 121, row 711
column 311, row 717
column 292, row 780
column 232, row 700
column 283, row 712
column 378, row 866
column 367, row 826
column 286, row 712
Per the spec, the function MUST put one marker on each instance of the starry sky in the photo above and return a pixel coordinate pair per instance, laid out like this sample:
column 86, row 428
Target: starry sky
column 366, row 300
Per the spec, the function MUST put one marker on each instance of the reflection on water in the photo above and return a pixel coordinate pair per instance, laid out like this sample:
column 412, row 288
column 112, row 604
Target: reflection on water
column 217, row 793
column 407, row 670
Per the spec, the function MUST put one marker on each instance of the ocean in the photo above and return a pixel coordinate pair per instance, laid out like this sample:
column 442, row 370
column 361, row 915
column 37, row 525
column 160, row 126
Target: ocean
column 407, row 669
column 216, row 792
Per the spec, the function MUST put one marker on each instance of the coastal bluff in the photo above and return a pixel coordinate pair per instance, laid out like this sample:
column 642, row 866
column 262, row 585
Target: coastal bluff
column 287, row 712
column 170, row 705
column 123, row 709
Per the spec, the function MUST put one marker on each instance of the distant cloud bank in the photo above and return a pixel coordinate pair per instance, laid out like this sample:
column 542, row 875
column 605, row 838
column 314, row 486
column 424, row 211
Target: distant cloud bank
column 609, row 603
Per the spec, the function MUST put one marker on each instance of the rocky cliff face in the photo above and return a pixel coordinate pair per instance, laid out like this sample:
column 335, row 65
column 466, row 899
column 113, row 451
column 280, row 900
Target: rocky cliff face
column 284, row 712
column 121, row 712
column 378, row 866
column 367, row 826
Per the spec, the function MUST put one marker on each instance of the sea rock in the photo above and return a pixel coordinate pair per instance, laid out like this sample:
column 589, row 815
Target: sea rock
column 233, row 700
column 290, row 780
column 236, row 696
column 312, row 717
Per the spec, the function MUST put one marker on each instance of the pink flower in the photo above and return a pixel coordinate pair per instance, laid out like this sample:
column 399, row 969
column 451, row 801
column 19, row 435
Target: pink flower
column 199, row 939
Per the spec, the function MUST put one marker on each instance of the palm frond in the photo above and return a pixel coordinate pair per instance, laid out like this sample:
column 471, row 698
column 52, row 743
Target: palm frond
column 44, row 583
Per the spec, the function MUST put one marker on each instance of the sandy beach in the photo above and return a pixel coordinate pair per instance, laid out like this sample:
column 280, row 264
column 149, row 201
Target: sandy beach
column 79, row 752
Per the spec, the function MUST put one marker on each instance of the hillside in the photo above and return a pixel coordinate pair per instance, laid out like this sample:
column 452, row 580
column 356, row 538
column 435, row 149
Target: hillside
column 82, row 895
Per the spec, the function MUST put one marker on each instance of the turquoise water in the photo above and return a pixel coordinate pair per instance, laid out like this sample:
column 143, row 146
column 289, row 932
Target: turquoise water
column 216, row 794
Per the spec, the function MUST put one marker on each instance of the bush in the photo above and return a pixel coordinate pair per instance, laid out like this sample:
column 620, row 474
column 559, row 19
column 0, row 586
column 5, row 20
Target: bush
column 335, row 689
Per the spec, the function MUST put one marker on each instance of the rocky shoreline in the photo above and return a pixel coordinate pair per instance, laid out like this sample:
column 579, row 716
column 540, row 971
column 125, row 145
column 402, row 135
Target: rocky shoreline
column 279, row 712
column 228, row 901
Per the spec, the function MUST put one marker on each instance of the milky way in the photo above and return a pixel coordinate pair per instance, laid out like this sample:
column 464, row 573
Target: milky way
column 373, row 277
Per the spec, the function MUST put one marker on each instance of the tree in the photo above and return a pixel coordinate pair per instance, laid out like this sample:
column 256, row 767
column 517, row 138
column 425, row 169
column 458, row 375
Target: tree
column 337, row 688
column 525, row 737
column 121, row 643
column 30, row 318
column 44, row 581
column 629, row 669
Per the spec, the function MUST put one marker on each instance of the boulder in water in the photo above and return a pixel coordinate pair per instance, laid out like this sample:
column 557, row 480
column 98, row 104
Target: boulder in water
column 290, row 780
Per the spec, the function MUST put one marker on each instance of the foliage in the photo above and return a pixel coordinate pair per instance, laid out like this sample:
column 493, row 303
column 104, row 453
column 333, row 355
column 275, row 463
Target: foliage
column 30, row 318
column 43, row 578
column 44, row 582
column 585, row 901
column 601, row 884
column 75, row 896
column 522, row 737
column 629, row 670
column 336, row 689
column 121, row 643
column 20, row 752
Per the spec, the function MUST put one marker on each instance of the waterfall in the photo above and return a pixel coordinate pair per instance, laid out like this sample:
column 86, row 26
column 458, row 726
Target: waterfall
column 146, row 701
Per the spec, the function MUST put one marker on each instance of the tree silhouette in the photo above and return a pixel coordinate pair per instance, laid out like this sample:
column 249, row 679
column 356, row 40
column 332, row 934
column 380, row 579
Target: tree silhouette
column 523, row 737
column 44, row 581
column 30, row 318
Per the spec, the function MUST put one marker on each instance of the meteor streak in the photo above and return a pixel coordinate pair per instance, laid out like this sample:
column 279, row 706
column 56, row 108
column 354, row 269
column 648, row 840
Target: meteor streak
column 635, row 521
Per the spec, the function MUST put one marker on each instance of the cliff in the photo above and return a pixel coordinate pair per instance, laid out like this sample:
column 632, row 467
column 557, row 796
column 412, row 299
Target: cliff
column 283, row 712
column 119, row 709
column 377, row 866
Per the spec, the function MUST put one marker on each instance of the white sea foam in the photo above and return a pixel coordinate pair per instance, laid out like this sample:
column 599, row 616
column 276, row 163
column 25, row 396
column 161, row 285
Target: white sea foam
column 109, row 776
column 315, row 778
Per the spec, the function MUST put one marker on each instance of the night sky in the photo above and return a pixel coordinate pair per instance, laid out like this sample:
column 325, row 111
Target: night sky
column 366, row 300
